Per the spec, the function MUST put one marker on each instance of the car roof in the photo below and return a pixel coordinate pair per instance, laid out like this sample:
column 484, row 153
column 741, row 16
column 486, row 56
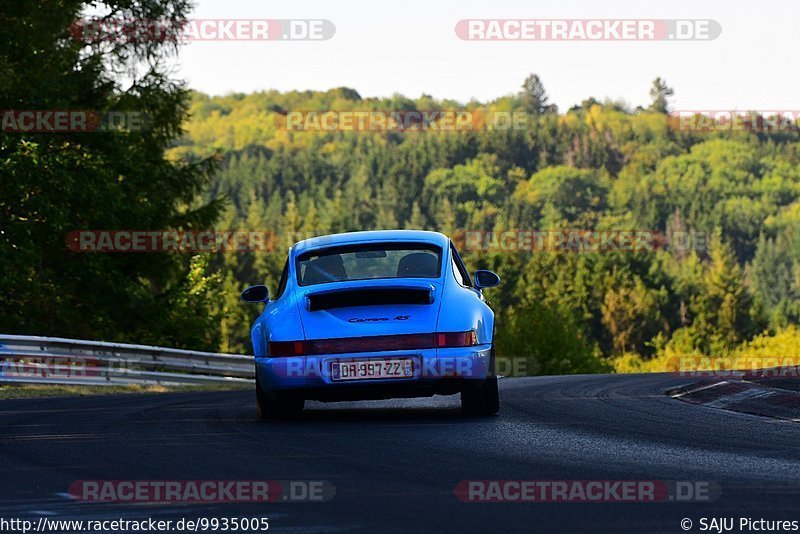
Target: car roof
column 352, row 238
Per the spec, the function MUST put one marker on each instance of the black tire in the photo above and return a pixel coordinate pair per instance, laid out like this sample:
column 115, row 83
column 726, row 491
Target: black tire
column 482, row 401
column 277, row 406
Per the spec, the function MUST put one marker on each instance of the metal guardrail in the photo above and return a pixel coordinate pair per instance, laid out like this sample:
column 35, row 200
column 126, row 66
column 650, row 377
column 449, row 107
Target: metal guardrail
column 53, row 360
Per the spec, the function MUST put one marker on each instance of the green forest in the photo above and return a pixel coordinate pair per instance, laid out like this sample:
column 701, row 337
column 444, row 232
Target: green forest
column 226, row 162
column 599, row 166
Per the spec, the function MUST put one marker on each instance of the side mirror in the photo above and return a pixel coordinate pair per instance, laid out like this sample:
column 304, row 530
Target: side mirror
column 255, row 294
column 484, row 279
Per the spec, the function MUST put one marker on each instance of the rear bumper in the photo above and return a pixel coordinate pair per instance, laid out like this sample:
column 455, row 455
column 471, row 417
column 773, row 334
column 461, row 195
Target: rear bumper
column 435, row 371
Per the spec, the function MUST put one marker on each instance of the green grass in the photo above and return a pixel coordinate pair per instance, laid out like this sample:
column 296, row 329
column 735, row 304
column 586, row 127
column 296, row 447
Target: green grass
column 22, row 391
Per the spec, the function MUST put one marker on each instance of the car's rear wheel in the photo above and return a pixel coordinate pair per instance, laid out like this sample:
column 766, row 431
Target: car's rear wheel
column 274, row 406
column 482, row 401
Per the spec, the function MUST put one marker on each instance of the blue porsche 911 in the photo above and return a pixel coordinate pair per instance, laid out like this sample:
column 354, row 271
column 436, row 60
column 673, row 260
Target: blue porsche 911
column 374, row 315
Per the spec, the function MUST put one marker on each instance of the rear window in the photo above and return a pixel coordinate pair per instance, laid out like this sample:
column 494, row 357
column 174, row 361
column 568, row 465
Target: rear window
column 367, row 262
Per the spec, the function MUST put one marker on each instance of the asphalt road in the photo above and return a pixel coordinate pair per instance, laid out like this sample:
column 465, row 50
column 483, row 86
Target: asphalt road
column 395, row 464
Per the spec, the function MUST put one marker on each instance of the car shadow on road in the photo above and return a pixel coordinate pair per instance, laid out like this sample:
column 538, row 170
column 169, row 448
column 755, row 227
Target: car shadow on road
column 382, row 414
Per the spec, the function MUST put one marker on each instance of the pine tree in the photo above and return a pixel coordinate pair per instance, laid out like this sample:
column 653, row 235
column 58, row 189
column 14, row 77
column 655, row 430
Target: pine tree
column 722, row 310
column 534, row 97
column 416, row 221
column 660, row 93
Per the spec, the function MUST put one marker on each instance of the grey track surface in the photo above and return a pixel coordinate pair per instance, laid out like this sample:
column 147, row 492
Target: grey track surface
column 395, row 463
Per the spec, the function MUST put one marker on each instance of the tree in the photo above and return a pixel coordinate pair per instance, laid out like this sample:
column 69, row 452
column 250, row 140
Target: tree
column 774, row 282
column 55, row 183
column 385, row 218
column 465, row 192
column 722, row 309
column 600, row 166
column 235, row 319
column 631, row 315
column 416, row 221
column 660, row 92
column 564, row 194
column 539, row 339
column 534, row 97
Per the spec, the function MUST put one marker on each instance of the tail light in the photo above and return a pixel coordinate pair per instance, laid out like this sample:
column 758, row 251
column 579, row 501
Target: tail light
column 441, row 340
column 456, row 339
column 287, row 348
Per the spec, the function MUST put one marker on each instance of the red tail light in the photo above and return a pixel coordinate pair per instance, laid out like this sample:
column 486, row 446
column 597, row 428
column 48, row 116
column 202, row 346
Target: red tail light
column 456, row 339
column 373, row 343
column 288, row 348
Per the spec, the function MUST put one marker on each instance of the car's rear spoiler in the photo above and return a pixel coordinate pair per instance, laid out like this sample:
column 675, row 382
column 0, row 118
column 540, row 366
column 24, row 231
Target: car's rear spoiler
column 377, row 295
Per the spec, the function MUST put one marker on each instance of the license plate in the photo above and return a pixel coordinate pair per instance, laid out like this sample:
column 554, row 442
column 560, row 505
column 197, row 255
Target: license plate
column 370, row 369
